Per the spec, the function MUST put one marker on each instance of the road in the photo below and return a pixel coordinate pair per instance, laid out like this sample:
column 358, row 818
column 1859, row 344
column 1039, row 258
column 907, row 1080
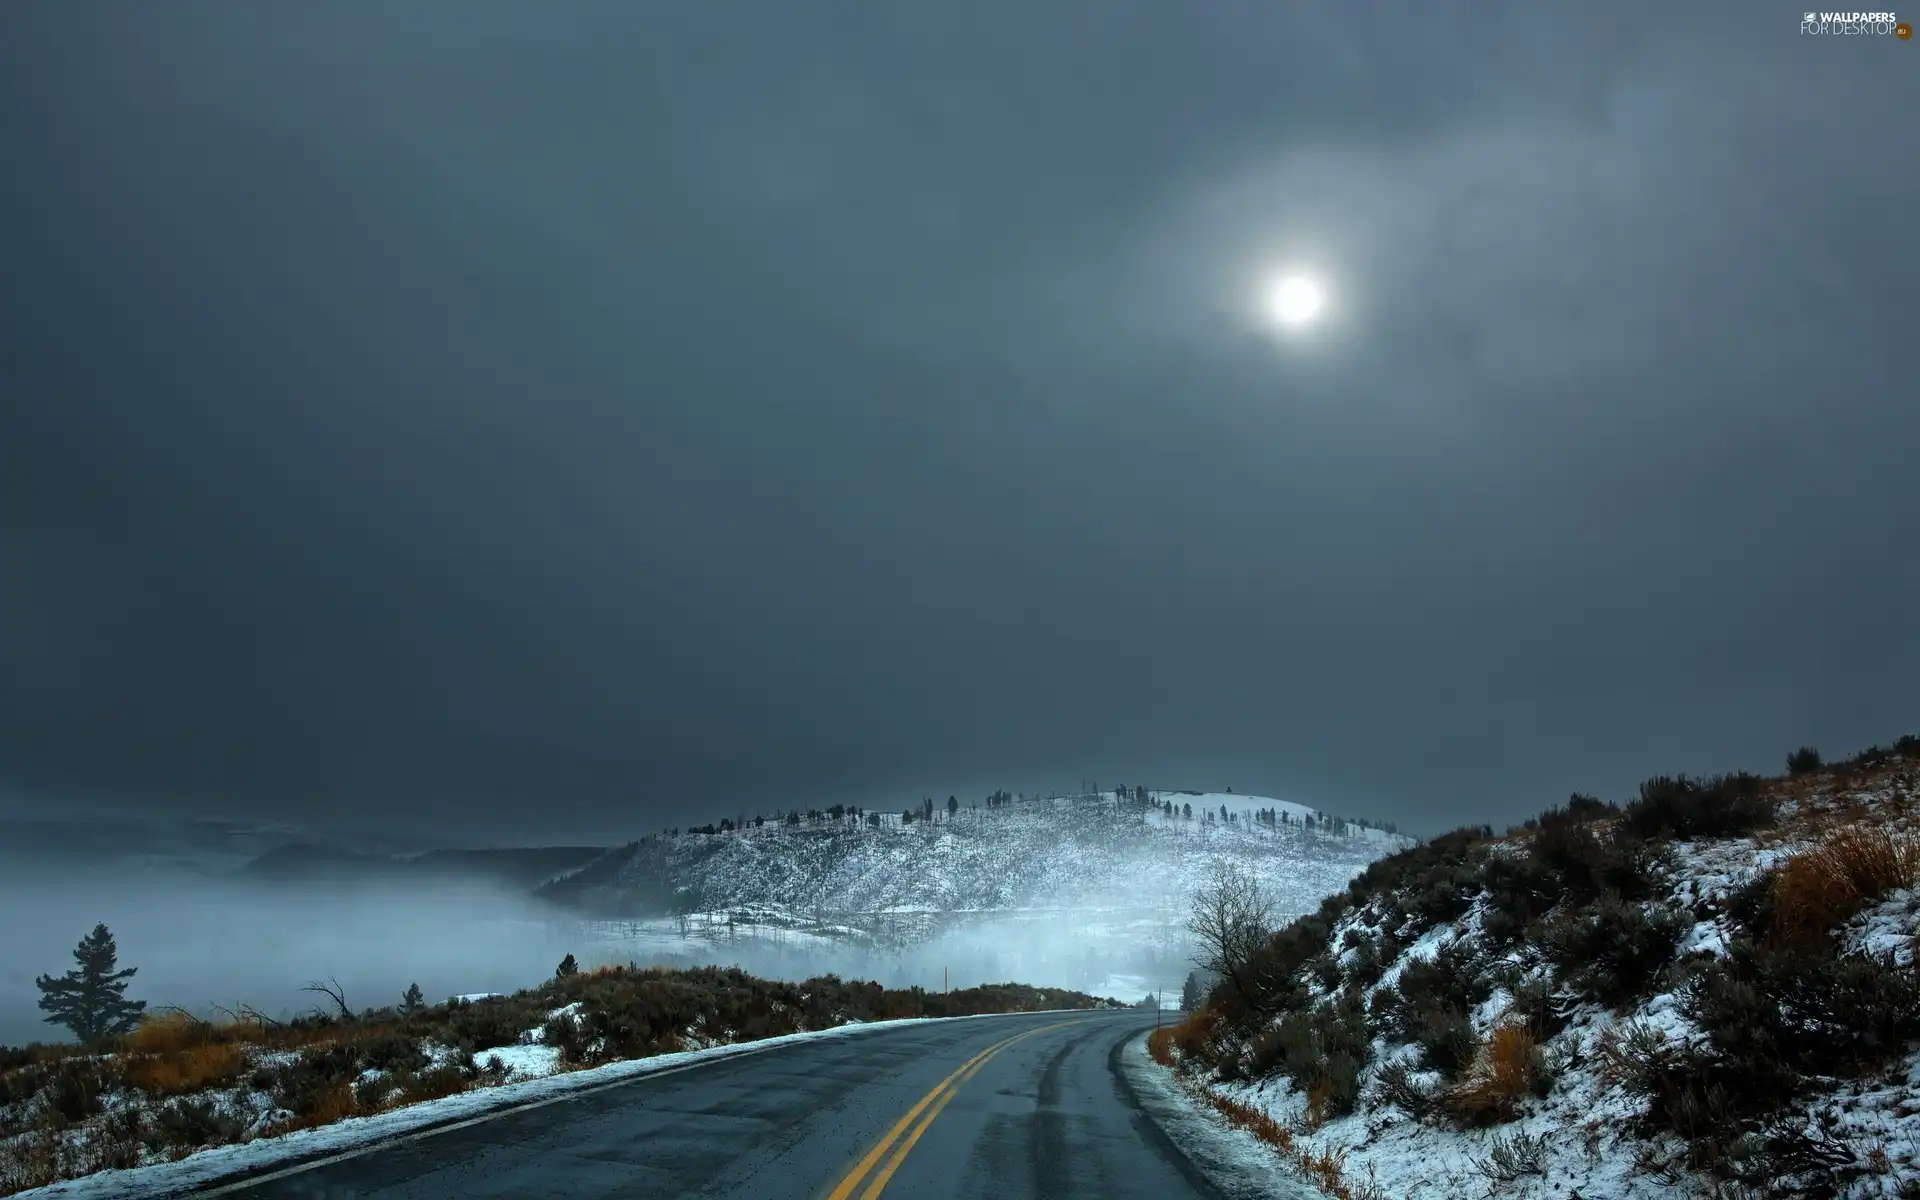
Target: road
column 1001, row 1108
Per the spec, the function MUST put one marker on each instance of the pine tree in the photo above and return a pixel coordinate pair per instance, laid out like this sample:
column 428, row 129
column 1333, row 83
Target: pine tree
column 413, row 1002
column 567, row 968
column 1192, row 995
column 953, row 806
column 92, row 1000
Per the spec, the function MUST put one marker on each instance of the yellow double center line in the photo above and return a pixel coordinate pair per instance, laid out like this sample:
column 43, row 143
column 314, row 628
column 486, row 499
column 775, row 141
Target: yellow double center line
column 894, row 1146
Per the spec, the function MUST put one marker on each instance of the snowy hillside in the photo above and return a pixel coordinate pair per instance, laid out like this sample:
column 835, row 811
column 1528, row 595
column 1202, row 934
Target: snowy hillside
column 1087, row 892
column 1710, row 990
column 1058, row 852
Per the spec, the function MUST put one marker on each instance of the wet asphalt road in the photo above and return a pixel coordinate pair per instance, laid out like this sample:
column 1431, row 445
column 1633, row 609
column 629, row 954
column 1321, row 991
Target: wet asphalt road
column 1000, row 1108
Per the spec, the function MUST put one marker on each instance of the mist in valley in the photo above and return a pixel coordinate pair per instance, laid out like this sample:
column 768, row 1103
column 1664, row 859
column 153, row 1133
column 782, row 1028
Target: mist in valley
column 200, row 942
column 205, row 942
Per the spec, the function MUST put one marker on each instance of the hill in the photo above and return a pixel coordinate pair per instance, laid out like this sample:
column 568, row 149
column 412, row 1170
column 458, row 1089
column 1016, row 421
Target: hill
column 1710, row 989
column 1063, row 851
column 1073, row 891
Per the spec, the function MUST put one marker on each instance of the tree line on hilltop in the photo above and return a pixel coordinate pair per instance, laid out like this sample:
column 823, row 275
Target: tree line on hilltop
column 1138, row 795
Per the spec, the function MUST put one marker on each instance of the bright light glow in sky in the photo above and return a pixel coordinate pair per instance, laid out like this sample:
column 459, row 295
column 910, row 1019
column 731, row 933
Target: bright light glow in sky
column 1296, row 301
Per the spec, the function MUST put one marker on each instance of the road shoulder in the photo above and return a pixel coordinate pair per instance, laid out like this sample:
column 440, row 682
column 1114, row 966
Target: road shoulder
column 1237, row 1165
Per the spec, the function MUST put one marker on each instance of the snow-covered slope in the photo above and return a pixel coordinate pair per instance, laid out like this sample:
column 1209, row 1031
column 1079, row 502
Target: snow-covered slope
column 1607, row 1003
column 1086, row 892
column 1059, row 852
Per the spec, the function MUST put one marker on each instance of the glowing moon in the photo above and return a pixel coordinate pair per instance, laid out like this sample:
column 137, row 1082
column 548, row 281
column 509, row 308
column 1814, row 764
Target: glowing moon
column 1296, row 301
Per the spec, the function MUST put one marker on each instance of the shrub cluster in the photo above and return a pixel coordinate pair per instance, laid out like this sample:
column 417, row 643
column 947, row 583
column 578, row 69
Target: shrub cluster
column 1613, row 949
column 1570, row 857
column 1452, row 982
column 336, row 1078
column 1322, row 1051
column 1679, row 806
column 1773, row 1020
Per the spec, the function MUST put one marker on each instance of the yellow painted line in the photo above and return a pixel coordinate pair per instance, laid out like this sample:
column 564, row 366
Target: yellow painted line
column 935, row 1100
column 846, row 1186
column 885, row 1174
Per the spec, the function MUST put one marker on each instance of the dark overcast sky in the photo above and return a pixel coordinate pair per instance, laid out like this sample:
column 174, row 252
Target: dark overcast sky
column 564, row 419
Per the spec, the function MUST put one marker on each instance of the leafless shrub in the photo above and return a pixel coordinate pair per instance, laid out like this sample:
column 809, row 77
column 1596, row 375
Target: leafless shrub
column 1231, row 921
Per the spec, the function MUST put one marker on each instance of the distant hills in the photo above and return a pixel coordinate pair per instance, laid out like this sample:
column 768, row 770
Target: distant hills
column 72, row 837
column 268, row 852
column 516, row 868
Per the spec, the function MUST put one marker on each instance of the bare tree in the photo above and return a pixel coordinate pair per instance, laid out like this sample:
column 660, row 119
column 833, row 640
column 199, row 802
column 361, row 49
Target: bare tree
column 1232, row 919
column 246, row 1014
column 334, row 992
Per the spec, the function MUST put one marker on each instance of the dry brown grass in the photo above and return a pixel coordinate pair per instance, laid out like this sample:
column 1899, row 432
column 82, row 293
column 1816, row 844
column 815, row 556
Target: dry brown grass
column 169, row 1031
column 1160, row 1045
column 172, row 1030
column 196, row 1068
column 1319, row 1102
column 1500, row 1077
column 1849, row 870
column 1193, row 1036
column 335, row 1104
column 1327, row 1168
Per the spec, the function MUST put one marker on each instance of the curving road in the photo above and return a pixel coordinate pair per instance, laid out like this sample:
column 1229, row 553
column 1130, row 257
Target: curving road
column 1001, row 1107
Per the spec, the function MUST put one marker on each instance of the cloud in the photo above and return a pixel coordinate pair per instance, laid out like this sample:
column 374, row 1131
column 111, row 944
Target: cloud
column 529, row 427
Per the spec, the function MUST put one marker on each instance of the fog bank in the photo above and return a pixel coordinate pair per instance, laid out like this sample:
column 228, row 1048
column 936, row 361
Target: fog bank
column 203, row 942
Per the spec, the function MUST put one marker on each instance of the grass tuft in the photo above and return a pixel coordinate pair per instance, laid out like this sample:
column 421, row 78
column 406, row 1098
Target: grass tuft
column 1846, row 873
column 1501, row 1077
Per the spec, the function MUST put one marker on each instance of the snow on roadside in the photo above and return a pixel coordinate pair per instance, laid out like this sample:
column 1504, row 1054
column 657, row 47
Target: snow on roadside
column 211, row 1165
column 521, row 1062
column 1233, row 1160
